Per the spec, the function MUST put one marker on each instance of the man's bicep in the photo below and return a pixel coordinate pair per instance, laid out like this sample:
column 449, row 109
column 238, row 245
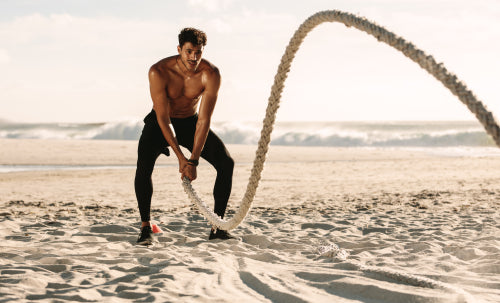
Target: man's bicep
column 213, row 83
column 210, row 95
column 158, row 92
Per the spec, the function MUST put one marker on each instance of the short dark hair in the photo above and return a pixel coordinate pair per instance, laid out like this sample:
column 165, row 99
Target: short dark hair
column 193, row 35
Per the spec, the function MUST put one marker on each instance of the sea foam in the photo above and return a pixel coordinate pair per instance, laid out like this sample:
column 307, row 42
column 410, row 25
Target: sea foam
column 336, row 134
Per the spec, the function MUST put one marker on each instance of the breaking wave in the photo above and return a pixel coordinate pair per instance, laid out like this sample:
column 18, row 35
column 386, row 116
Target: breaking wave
column 337, row 134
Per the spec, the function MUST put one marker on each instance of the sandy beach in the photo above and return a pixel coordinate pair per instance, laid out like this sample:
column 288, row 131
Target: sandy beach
column 69, row 222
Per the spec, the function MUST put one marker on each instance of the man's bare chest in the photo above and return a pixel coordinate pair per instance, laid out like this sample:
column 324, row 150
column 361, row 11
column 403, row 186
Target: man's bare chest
column 185, row 88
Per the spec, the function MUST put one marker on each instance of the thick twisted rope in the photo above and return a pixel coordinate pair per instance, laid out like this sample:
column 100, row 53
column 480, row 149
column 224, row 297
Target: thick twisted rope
column 427, row 62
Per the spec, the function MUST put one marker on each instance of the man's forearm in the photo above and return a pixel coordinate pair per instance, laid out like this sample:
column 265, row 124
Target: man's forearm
column 200, row 137
column 169, row 134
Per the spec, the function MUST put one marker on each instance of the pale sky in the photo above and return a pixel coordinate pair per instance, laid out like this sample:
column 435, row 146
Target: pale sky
column 87, row 60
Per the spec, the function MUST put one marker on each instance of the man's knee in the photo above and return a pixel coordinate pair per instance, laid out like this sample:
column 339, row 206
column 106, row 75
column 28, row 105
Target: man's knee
column 227, row 165
column 144, row 170
column 230, row 163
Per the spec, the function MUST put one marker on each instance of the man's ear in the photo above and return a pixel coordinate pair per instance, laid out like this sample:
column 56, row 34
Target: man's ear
column 179, row 49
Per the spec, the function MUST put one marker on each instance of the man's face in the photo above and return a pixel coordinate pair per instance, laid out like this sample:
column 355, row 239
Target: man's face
column 190, row 55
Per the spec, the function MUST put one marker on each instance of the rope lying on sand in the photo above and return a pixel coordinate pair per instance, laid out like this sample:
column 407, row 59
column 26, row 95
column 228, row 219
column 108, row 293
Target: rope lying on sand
column 425, row 61
column 333, row 251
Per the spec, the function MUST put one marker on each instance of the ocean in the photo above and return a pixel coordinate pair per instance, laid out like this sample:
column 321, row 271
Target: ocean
column 335, row 134
column 440, row 138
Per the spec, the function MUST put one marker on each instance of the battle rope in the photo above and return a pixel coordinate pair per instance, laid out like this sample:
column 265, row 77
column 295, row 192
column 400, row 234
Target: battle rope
column 333, row 251
column 425, row 61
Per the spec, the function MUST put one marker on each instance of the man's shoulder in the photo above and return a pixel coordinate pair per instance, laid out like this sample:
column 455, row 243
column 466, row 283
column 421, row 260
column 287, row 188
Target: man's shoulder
column 209, row 68
column 164, row 64
column 162, row 67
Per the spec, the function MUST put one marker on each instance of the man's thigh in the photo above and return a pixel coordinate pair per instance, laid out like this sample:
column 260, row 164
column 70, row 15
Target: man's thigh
column 152, row 142
column 214, row 149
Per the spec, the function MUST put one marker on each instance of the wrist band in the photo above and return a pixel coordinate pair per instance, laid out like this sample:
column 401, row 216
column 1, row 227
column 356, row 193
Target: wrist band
column 193, row 162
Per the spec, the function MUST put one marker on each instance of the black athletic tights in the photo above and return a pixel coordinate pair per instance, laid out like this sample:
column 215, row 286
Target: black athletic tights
column 152, row 143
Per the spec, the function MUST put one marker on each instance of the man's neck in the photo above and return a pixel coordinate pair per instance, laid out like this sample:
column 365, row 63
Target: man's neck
column 184, row 70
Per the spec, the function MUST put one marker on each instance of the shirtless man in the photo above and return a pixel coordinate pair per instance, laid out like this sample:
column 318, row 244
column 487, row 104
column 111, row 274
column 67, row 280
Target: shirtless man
column 178, row 84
